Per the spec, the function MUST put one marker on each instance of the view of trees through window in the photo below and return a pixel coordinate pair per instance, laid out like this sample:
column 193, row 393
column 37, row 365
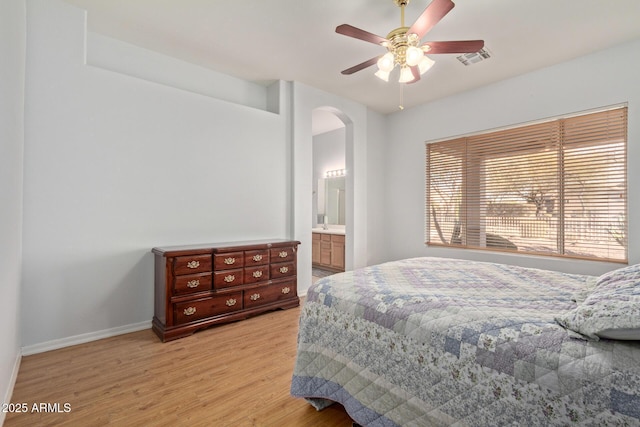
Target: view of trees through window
column 552, row 188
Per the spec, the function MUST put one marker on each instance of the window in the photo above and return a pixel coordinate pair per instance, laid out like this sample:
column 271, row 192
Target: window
column 553, row 188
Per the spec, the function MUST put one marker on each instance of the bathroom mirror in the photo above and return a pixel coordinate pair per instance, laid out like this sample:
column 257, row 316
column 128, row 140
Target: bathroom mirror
column 331, row 200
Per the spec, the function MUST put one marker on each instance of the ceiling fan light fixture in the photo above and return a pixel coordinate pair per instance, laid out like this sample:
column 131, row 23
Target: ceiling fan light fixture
column 414, row 55
column 386, row 62
column 404, row 46
column 406, row 75
column 425, row 64
column 382, row 75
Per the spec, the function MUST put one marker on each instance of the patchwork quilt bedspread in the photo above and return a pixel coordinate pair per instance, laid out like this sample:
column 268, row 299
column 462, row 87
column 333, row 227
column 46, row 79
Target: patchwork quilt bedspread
column 433, row 341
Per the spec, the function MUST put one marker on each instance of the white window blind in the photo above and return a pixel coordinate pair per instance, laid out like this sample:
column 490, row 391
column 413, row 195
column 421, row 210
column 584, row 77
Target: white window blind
column 553, row 188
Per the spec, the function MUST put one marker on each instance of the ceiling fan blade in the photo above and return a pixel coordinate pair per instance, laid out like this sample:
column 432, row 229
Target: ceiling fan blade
column 436, row 10
column 416, row 74
column 351, row 31
column 361, row 66
column 461, row 46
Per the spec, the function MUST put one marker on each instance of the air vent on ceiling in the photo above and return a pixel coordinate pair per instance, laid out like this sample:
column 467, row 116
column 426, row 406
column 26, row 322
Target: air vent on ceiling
column 472, row 58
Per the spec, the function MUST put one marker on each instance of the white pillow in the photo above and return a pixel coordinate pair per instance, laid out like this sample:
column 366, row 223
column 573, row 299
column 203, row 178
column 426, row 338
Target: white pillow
column 611, row 310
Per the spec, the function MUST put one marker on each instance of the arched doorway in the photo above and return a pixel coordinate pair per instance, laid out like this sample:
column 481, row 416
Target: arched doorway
column 329, row 197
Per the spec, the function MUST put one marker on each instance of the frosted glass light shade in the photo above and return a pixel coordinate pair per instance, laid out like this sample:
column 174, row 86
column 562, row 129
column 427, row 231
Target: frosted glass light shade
column 406, row 75
column 413, row 55
column 386, row 62
column 382, row 75
column 425, row 64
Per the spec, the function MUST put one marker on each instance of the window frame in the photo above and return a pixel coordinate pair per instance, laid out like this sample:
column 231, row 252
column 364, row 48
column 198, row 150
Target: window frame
column 472, row 227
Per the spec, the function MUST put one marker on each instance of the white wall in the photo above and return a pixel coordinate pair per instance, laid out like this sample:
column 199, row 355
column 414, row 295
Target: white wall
column 12, row 55
column 115, row 55
column 115, row 165
column 376, row 184
column 600, row 79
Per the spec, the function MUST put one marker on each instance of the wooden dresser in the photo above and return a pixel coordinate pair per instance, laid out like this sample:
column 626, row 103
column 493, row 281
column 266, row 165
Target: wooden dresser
column 201, row 285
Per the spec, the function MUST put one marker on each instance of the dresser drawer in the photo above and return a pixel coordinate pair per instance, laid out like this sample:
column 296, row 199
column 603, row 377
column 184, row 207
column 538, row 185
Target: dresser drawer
column 206, row 307
column 260, row 257
column 191, row 264
column 256, row 274
column 228, row 278
column 192, row 283
column 282, row 254
column 229, row 260
column 266, row 294
column 283, row 270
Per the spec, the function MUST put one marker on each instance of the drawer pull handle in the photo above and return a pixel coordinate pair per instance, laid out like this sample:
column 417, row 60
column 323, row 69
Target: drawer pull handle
column 283, row 254
column 193, row 264
column 230, row 261
column 286, row 290
column 230, row 278
column 193, row 283
column 257, row 274
column 284, row 270
column 189, row 311
column 231, row 302
column 255, row 297
column 257, row 258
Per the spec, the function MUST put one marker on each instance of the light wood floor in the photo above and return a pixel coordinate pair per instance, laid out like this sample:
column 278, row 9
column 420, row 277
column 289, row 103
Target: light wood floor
column 236, row 374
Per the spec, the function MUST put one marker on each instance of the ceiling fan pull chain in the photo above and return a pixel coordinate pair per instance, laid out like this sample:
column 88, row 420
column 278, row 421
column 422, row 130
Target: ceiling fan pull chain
column 401, row 106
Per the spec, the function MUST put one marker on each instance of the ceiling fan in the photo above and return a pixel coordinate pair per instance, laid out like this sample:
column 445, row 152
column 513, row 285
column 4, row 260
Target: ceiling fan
column 403, row 44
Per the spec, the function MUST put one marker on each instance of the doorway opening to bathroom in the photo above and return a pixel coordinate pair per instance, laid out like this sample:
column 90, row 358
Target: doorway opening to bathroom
column 329, row 194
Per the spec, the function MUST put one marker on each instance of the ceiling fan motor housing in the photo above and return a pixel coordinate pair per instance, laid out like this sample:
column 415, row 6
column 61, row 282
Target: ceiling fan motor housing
column 399, row 42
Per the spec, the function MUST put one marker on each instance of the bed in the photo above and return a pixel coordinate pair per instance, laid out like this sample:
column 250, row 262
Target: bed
column 434, row 341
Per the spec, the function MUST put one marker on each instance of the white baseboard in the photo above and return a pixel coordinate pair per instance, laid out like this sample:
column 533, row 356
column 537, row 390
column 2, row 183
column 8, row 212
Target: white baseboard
column 91, row 336
column 12, row 384
column 83, row 338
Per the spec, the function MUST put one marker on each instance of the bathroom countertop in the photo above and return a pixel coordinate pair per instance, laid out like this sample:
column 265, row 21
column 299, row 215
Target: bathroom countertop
column 329, row 230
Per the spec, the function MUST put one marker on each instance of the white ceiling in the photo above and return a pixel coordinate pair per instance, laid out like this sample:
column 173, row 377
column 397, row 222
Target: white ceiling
column 263, row 41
